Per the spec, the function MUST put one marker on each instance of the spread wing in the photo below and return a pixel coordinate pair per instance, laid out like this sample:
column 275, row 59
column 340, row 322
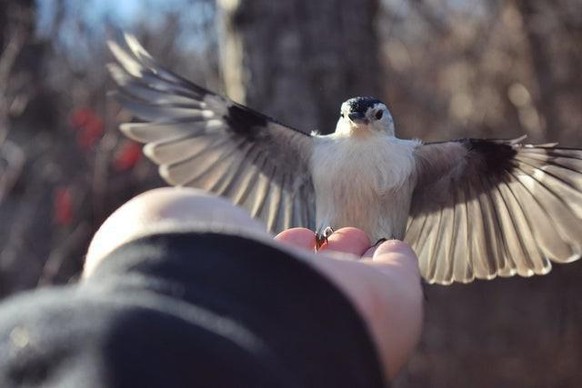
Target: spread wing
column 487, row 208
column 203, row 140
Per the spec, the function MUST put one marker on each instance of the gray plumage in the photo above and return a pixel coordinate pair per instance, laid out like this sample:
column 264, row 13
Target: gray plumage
column 470, row 208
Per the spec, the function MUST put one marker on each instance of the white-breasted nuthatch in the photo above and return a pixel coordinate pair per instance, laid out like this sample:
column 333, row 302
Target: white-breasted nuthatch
column 470, row 208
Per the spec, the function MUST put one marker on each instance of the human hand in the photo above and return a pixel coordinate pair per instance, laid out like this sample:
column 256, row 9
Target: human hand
column 383, row 282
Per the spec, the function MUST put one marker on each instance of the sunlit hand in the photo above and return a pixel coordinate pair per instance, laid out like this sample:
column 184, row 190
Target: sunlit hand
column 382, row 282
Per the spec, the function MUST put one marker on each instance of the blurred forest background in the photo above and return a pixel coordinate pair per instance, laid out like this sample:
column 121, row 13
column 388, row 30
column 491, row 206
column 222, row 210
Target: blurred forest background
column 447, row 68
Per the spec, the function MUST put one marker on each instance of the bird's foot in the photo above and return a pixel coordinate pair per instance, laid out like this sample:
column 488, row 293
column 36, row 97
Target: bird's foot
column 321, row 237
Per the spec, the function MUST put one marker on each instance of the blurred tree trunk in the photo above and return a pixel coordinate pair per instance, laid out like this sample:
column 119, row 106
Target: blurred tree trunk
column 542, row 65
column 28, row 116
column 9, row 10
column 298, row 60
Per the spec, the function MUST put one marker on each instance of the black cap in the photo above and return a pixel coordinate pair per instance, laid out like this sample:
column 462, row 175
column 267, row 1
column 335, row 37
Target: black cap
column 361, row 104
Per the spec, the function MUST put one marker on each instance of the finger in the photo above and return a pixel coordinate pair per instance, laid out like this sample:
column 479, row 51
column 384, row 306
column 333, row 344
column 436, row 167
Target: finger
column 396, row 256
column 403, row 312
column 298, row 237
column 347, row 240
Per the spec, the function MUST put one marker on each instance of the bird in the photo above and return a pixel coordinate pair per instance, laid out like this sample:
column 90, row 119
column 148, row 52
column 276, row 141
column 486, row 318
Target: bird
column 470, row 208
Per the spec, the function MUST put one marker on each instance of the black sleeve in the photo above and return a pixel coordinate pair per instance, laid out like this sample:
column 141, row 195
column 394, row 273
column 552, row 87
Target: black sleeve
column 192, row 310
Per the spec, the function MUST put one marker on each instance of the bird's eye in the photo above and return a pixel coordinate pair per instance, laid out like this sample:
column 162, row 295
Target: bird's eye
column 379, row 114
column 342, row 115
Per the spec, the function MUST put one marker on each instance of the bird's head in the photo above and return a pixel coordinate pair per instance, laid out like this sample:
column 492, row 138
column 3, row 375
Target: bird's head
column 360, row 115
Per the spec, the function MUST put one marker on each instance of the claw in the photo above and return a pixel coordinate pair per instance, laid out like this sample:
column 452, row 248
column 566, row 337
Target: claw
column 321, row 238
column 380, row 241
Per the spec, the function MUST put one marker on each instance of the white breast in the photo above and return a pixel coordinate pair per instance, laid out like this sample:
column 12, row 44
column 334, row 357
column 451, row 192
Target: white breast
column 363, row 182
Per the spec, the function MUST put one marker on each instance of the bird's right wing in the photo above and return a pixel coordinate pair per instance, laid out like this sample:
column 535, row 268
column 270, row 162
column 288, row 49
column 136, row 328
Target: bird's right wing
column 487, row 208
column 203, row 140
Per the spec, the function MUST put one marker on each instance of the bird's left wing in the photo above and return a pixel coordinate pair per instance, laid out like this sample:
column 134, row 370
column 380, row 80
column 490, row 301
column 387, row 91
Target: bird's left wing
column 203, row 140
column 485, row 208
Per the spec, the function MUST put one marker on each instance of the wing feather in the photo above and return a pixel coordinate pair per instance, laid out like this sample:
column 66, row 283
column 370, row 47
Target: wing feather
column 494, row 234
column 483, row 209
column 479, row 253
column 156, row 132
column 463, row 268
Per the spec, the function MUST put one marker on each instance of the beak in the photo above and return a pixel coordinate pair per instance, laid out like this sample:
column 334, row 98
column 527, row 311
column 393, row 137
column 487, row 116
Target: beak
column 358, row 117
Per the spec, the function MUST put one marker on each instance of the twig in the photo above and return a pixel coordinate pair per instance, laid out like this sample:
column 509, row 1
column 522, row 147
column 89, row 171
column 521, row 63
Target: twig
column 59, row 255
column 15, row 158
column 7, row 60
